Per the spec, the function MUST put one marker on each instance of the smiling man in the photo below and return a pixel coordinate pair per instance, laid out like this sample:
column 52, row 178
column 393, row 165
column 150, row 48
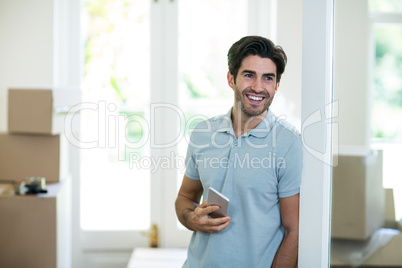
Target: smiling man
column 255, row 160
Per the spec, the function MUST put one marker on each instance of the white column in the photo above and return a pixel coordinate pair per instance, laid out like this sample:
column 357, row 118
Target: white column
column 315, row 199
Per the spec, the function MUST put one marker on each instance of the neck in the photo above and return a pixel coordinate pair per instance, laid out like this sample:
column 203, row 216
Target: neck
column 243, row 123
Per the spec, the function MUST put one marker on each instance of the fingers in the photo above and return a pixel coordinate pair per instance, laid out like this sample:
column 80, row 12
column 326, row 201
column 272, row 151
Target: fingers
column 203, row 209
column 203, row 204
column 206, row 224
column 219, row 221
column 223, row 225
column 202, row 222
column 216, row 225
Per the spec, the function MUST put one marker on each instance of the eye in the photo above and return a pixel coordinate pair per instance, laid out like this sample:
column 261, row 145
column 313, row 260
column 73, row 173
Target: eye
column 269, row 78
column 248, row 75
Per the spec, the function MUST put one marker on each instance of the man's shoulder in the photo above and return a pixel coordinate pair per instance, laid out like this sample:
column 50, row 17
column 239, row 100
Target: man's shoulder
column 281, row 127
column 288, row 128
column 286, row 135
column 213, row 123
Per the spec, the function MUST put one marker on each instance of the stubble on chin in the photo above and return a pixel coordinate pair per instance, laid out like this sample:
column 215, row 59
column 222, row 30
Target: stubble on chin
column 253, row 112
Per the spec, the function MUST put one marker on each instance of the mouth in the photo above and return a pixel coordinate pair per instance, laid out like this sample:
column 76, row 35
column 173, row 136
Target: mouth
column 255, row 99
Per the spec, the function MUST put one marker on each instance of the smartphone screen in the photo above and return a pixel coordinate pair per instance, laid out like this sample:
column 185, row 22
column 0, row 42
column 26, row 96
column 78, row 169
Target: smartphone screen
column 217, row 198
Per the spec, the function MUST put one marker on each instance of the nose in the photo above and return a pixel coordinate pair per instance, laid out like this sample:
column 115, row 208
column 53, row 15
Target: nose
column 257, row 86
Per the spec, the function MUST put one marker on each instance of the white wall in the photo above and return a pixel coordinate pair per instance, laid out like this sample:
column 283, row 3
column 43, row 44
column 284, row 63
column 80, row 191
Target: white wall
column 351, row 75
column 39, row 46
column 289, row 36
column 26, row 47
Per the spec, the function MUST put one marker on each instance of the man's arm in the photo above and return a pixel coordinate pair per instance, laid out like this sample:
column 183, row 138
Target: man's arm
column 287, row 252
column 196, row 217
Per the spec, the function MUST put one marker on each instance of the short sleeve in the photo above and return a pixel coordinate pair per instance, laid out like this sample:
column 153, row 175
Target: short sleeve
column 191, row 164
column 290, row 171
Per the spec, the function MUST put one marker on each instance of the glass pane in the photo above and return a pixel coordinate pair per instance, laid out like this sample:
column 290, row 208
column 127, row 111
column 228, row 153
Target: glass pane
column 114, row 188
column 387, row 101
column 207, row 29
column 385, row 5
column 387, row 105
column 392, row 153
column 203, row 44
column 347, row 200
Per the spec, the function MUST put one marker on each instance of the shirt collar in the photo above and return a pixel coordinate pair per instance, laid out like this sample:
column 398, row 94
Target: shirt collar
column 260, row 131
column 264, row 127
column 226, row 124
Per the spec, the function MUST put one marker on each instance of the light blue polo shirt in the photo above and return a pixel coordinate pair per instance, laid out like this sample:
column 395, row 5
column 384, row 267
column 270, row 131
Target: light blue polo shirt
column 253, row 171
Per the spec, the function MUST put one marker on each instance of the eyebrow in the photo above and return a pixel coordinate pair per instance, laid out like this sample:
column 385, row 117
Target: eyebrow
column 253, row 72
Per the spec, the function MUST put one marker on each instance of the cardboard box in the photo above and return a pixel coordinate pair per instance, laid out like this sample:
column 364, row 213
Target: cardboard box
column 6, row 190
column 387, row 256
column 40, row 111
column 24, row 156
column 390, row 221
column 357, row 196
column 35, row 230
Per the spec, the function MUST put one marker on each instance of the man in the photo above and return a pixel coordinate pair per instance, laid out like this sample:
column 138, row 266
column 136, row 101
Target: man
column 255, row 160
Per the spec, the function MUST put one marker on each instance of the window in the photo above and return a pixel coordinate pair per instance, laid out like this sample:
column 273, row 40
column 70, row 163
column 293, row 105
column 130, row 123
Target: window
column 387, row 97
column 385, row 5
column 116, row 91
column 120, row 85
column 386, row 115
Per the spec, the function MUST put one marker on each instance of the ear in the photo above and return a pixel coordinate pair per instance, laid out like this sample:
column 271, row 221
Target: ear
column 277, row 86
column 231, row 82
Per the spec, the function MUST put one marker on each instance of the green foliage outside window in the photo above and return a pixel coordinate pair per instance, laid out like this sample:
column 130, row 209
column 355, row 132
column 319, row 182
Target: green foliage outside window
column 387, row 103
column 385, row 5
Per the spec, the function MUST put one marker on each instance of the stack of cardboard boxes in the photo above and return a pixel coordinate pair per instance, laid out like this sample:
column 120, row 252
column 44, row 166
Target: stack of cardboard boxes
column 35, row 230
column 360, row 208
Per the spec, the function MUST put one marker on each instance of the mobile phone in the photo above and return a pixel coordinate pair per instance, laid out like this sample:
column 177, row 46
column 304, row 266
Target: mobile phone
column 217, row 198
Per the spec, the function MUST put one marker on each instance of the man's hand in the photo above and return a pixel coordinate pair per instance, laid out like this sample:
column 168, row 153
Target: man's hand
column 195, row 217
column 199, row 220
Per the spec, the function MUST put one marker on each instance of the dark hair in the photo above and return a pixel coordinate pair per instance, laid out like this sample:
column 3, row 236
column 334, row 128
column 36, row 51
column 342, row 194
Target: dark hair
column 256, row 45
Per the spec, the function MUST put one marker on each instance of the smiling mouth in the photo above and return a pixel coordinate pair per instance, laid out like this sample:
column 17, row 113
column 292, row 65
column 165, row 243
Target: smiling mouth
column 255, row 98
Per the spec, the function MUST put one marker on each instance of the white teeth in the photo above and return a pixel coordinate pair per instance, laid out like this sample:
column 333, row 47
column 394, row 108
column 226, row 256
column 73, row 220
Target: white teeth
column 255, row 98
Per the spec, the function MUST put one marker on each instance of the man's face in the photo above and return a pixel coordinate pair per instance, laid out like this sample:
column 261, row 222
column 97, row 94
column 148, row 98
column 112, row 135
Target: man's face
column 255, row 85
